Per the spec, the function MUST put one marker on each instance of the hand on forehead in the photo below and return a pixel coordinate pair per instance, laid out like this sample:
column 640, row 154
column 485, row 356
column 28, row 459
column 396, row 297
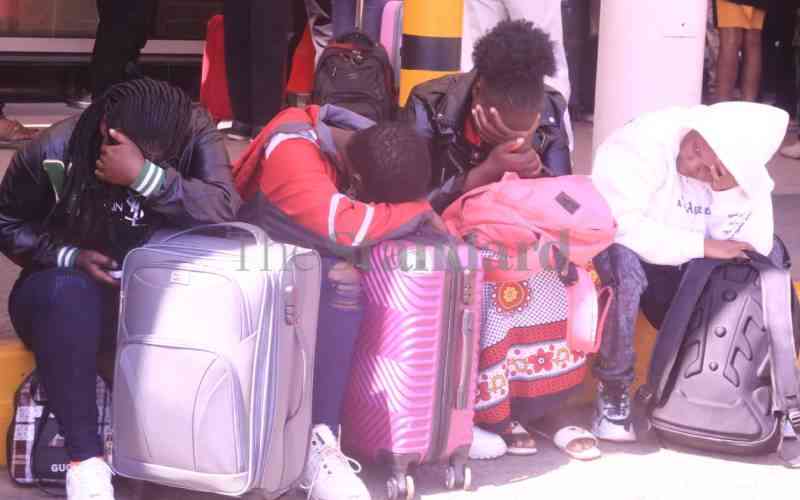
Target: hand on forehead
column 494, row 129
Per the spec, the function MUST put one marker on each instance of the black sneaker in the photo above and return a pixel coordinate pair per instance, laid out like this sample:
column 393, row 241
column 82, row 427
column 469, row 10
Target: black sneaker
column 613, row 416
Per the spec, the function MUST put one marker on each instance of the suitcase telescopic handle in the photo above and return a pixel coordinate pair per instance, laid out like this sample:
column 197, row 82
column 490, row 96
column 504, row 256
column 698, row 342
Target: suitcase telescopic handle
column 256, row 232
column 467, row 349
column 291, row 318
column 304, row 379
column 359, row 20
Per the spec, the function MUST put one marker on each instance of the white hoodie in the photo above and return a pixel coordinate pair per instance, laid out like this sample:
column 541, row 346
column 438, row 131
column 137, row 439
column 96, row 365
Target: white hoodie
column 665, row 217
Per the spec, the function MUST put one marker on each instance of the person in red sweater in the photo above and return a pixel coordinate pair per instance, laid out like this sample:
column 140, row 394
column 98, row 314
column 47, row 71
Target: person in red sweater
column 329, row 179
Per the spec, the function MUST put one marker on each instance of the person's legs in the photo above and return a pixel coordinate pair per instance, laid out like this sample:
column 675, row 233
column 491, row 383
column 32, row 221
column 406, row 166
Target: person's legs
column 141, row 27
column 237, row 15
column 782, row 18
column 796, row 55
column 730, row 42
column 546, row 15
column 620, row 268
column 751, row 71
column 663, row 283
column 340, row 315
column 577, row 22
column 328, row 474
column 269, row 31
column 373, row 18
column 480, row 16
column 121, row 35
column 344, row 16
column 793, row 150
column 64, row 316
column 320, row 24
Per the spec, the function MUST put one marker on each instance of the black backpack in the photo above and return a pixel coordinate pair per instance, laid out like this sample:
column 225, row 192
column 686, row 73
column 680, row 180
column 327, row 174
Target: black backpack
column 354, row 72
column 723, row 375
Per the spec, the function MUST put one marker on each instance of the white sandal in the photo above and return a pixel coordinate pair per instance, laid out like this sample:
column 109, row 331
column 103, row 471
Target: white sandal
column 568, row 435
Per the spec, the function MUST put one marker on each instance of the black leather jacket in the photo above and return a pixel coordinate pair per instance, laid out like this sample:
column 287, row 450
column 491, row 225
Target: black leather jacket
column 199, row 191
column 438, row 109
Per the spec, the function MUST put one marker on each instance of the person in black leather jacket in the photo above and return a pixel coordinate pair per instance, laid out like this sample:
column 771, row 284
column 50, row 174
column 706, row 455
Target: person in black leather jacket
column 73, row 202
column 475, row 119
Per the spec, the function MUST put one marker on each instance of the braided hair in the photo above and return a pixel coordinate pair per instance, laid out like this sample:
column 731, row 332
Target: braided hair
column 155, row 115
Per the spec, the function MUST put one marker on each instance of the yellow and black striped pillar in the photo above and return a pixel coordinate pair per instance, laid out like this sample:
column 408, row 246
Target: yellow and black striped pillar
column 432, row 32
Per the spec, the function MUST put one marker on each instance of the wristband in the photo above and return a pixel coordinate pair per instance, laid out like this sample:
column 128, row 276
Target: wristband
column 150, row 179
column 67, row 256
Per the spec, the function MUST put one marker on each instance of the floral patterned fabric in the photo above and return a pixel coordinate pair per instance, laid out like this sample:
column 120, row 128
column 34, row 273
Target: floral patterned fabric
column 524, row 359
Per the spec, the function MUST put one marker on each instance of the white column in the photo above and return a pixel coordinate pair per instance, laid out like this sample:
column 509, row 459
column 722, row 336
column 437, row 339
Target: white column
column 651, row 57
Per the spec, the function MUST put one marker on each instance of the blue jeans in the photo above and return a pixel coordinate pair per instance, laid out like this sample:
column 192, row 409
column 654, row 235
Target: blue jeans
column 637, row 284
column 66, row 317
column 341, row 309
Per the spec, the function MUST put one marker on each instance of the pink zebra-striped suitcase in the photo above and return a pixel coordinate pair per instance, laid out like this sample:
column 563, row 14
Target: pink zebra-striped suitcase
column 412, row 386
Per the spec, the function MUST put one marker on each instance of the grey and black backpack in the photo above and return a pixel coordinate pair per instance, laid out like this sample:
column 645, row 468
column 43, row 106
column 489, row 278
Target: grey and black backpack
column 723, row 376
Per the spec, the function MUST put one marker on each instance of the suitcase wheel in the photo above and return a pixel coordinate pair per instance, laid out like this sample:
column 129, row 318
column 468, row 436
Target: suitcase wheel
column 401, row 487
column 458, row 477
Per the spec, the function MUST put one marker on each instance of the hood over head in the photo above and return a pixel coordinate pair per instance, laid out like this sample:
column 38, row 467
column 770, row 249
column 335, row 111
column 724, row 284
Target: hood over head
column 745, row 136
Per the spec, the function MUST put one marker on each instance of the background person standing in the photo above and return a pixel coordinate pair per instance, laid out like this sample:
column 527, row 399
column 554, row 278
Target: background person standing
column 256, row 46
column 740, row 26
column 121, row 35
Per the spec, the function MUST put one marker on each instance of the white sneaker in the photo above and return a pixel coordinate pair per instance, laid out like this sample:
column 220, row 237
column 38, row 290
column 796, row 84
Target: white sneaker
column 486, row 445
column 329, row 474
column 792, row 151
column 613, row 417
column 90, row 480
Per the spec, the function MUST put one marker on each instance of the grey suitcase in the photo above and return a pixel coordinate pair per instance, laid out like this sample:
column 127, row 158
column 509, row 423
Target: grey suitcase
column 214, row 363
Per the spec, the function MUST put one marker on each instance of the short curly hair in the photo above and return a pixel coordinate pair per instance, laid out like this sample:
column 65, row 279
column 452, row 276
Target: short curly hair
column 394, row 162
column 513, row 59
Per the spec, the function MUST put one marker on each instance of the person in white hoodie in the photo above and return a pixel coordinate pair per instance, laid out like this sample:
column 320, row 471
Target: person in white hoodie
column 683, row 183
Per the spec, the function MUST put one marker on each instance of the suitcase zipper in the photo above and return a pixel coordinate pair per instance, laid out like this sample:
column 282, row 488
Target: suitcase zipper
column 446, row 401
column 270, row 343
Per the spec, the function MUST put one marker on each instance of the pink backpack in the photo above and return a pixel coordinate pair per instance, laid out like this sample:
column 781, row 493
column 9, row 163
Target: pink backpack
column 539, row 224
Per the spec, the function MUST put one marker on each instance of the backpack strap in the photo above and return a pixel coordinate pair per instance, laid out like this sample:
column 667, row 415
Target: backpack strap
column 673, row 330
column 776, row 289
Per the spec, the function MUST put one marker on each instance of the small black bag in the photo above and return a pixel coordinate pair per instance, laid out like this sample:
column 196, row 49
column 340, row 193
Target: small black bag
column 723, row 375
column 354, row 72
column 35, row 448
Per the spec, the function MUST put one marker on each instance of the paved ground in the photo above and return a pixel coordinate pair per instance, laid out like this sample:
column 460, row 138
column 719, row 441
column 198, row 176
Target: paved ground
column 641, row 472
